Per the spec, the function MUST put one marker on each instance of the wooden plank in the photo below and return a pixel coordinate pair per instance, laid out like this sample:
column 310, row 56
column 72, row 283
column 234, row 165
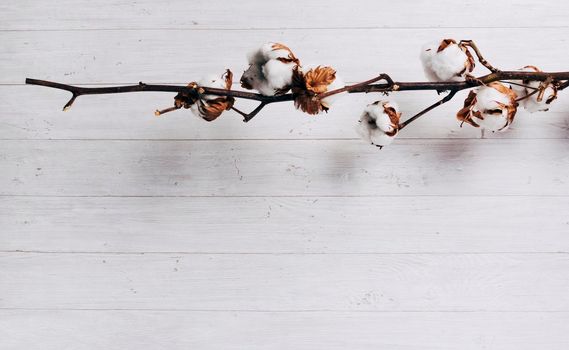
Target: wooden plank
column 78, row 330
column 284, row 168
column 285, row 225
column 35, row 113
column 124, row 56
column 176, row 14
column 285, row 282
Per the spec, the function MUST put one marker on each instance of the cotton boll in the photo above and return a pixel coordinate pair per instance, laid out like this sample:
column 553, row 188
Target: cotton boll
column 490, row 107
column 210, row 107
column 446, row 61
column 271, row 69
column 492, row 104
column 494, row 118
column 533, row 103
column 379, row 123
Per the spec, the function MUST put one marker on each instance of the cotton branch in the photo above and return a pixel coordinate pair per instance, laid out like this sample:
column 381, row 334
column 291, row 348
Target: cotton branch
column 559, row 79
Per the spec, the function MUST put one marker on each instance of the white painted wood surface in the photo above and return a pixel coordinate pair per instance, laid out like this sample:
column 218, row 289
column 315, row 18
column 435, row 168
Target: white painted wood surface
column 119, row 230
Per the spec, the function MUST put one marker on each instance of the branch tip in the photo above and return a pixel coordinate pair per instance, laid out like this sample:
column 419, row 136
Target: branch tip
column 159, row 112
column 69, row 103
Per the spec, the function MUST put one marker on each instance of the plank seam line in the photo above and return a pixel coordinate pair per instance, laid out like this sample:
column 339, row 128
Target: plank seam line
column 279, row 253
column 446, row 139
column 282, row 311
column 294, row 196
column 253, row 29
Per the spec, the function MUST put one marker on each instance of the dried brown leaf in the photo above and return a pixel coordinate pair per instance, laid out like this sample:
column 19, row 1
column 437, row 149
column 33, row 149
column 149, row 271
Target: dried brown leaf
column 317, row 79
column 394, row 117
column 445, row 43
column 307, row 86
column 291, row 57
column 465, row 114
column 212, row 109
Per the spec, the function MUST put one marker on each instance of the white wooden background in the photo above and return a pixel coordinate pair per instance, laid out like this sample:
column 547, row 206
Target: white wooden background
column 119, row 230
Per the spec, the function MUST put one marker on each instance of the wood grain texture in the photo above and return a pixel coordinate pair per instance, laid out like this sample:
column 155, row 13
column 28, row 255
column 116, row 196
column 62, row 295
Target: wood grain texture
column 125, row 56
column 119, row 230
column 318, row 225
column 311, row 14
column 291, row 168
column 287, row 282
column 85, row 330
column 131, row 116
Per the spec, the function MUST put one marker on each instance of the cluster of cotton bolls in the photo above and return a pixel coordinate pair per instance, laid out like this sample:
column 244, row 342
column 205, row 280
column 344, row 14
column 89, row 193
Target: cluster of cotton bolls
column 443, row 60
column 490, row 107
column 274, row 70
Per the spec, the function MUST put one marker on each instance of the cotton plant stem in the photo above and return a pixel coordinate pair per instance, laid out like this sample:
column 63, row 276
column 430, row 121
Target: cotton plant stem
column 563, row 85
column 560, row 79
column 516, row 84
column 357, row 88
column 353, row 88
column 79, row 91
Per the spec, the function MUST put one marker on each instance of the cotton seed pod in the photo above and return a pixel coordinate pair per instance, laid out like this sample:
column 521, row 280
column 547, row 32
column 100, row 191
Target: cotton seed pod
column 270, row 69
column 490, row 107
column 446, row 60
column 379, row 123
column 209, row 107
column 540, row 101
column 308, row 83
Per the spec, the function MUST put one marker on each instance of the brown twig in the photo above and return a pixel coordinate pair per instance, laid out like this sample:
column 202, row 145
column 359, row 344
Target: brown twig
column 481, row 59
column 560, row 79
column 431, row 107
column 350, row 88
column 252, row 114
column 527, row 96
column 563, row 85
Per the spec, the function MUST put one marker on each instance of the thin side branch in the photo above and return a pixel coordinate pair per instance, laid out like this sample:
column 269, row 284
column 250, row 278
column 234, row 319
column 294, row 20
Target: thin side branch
column 481, row 59
column 431, row 107
column 251, row 115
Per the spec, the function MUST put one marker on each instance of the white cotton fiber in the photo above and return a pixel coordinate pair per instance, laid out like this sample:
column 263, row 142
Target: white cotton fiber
column 278, row 74
column 270, row 71
column 375, row 125
column 491, row 103
column 212, row 81
column 449, row 64
column 531, row 104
